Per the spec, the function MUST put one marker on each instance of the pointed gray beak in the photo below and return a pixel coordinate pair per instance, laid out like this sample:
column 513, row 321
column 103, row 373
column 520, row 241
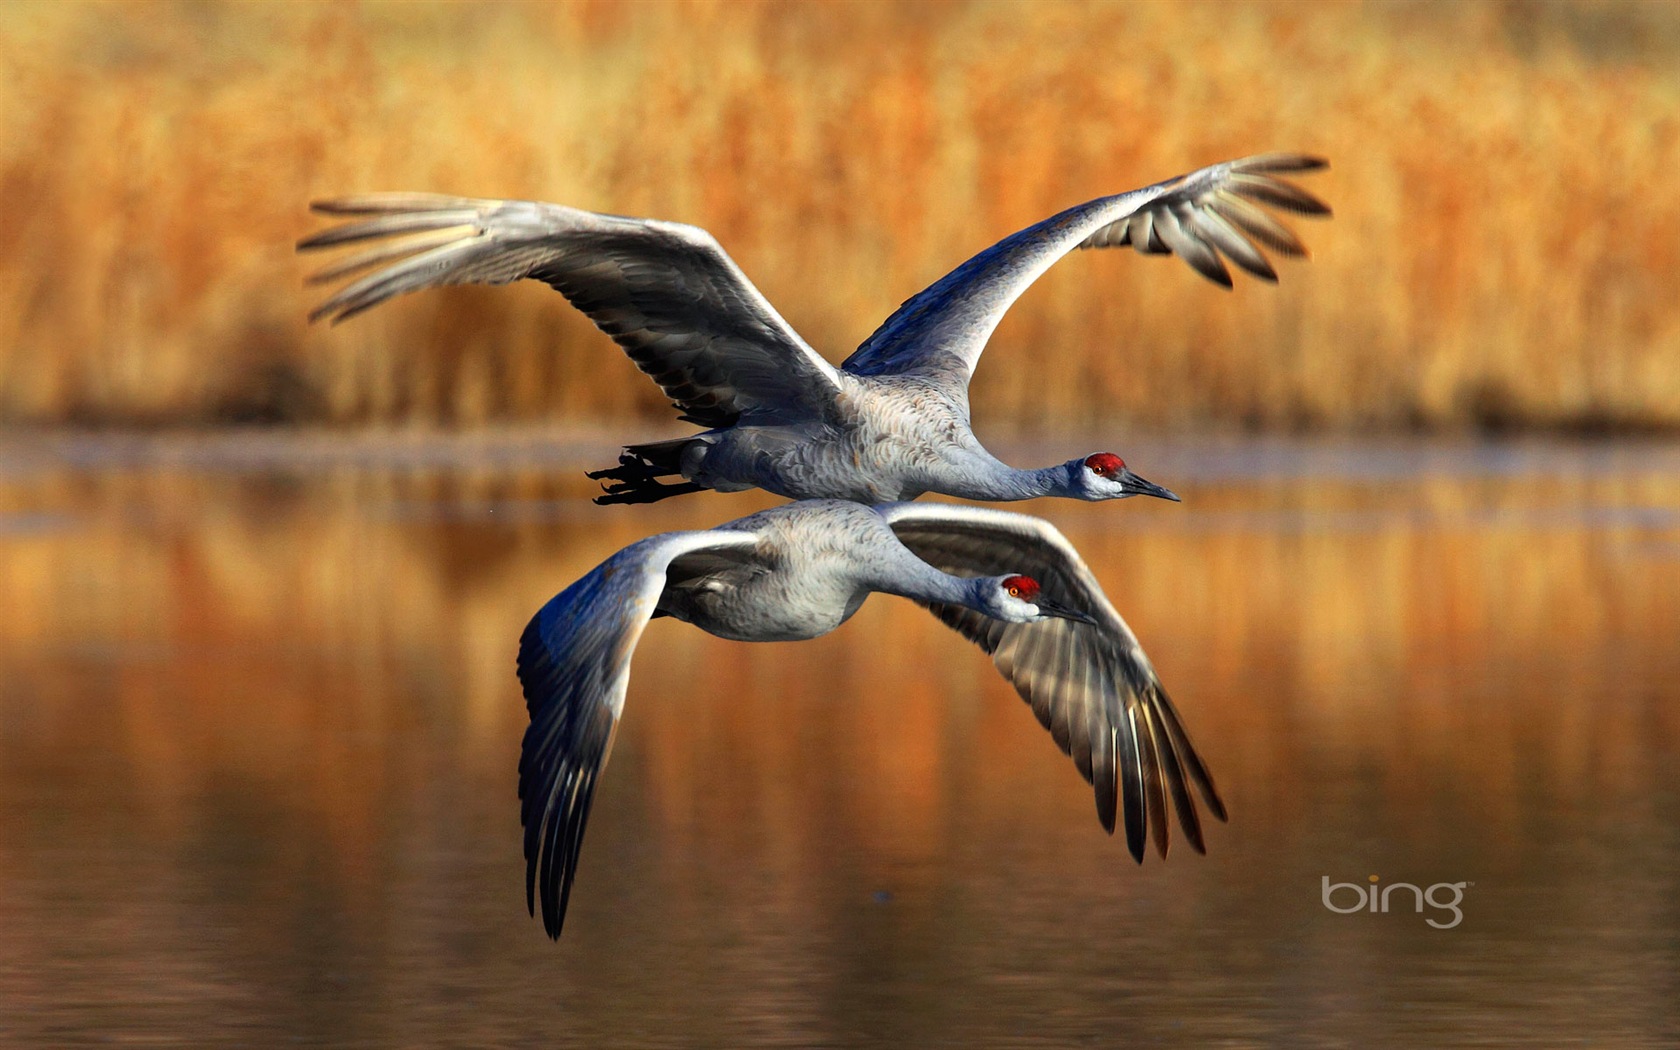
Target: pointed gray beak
column 1145, row 488
column 1046, row 607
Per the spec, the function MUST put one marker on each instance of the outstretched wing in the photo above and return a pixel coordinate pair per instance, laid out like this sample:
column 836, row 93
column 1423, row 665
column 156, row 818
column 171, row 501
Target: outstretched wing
column 1089, row 684
column 941, row 331
column 667, row 293
column 574, row 665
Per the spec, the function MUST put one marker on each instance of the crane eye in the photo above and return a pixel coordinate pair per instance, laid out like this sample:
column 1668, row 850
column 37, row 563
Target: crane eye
column 1022, row 587
column 1102, row 464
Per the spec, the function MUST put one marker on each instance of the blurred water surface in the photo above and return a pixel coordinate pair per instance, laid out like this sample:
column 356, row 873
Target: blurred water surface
column 259, row 725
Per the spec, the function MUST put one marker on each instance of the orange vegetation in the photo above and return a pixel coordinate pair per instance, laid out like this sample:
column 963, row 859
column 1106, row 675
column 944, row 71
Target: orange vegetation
column 1504, row 251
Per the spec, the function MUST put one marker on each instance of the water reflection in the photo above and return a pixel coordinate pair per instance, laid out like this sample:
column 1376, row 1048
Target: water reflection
column 259, row 727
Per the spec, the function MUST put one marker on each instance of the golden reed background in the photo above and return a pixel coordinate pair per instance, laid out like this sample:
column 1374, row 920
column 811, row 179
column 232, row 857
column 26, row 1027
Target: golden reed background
column 1505, row 249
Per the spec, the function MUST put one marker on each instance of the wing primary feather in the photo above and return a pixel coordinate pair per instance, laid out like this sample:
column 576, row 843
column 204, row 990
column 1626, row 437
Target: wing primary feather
column 395, row 250
column 397, row 222
column 1183, row 804
column 1088, row 684
column 1187, row 246
column 1256, row 223
column 1073, row 676
column 1102, row 769
column 1131, row 787
column 1208, row 224
column 388, row 203
column 420, row 271
column 1154, row 793
column 1278, row 193
column 1187, row 754
column 1272, row 162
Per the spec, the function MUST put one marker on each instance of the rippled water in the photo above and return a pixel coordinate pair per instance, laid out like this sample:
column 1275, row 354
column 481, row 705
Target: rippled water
column 258, row 731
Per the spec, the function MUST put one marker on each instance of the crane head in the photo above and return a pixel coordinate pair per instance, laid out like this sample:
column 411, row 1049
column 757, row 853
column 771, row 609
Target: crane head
column 1020, row 599
column 1104, row 475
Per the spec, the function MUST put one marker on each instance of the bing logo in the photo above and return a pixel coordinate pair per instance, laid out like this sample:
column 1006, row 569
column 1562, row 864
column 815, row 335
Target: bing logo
column 1353, row 897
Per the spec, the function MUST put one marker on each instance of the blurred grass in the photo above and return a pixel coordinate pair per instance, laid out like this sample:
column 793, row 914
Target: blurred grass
column 1503, row 255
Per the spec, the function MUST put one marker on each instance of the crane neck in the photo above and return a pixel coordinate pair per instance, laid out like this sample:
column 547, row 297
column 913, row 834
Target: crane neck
column 908, row 576
column 1002, row 482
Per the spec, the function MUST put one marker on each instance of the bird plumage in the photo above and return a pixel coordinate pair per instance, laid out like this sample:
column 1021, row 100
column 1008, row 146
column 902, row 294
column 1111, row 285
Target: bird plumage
column 941, row 332
column 889, row 424
column 666, row 292
column 1091, row 686
column 800, row 570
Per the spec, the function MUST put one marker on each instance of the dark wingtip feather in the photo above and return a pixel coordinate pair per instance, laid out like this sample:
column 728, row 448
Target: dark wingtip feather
column 1210, row 795
column 1156, row 773
column 1132, row 802
column 1183, row 804
column 1135, row 842
column 1195, row 770
column 1103, row 778
column 1107, row 811
column 1211, row 268
column 1279, row 193
column 1256, row 223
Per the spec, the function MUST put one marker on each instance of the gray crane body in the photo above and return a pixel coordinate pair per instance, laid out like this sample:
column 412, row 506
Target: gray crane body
column 1010, row 583
column 892, row 421
column 900, row 437
column 799, row 582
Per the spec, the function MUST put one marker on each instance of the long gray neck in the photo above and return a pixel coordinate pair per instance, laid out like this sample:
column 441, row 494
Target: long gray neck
column 1002, row 482
column 908, row 576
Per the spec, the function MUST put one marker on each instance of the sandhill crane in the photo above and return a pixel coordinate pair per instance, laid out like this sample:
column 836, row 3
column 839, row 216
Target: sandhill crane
column 1008, row 582
column 890, row 423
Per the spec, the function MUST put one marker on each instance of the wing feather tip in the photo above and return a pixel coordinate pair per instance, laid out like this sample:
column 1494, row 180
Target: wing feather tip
column 1135, row 847
column 1283, row 161
column 1216, row 805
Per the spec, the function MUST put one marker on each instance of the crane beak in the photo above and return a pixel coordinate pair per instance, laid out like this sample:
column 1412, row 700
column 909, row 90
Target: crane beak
column 1145, row 488
column 1046, row 607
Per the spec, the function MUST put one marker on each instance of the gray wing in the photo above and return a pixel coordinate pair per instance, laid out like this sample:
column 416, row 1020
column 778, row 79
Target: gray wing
column 574, row 666
column 665, row 292
column 941, row 331
column 1089, row 684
